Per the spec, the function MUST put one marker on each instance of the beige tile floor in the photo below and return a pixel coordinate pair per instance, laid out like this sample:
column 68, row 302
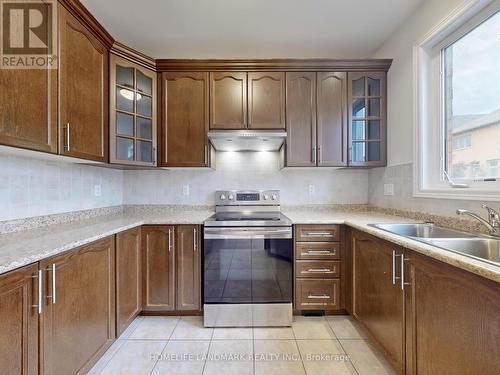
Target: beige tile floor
column 182, row 346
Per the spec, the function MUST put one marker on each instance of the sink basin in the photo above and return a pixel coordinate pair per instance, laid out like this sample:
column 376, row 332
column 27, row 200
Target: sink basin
column 485, row 249
column 423, row 231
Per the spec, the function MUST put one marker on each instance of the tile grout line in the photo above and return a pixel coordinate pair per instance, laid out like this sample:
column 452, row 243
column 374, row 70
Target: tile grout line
column 298, row 348
column 208, row 350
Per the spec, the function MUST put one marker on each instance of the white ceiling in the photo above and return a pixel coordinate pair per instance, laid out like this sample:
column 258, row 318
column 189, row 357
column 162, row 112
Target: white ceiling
column 252, row 28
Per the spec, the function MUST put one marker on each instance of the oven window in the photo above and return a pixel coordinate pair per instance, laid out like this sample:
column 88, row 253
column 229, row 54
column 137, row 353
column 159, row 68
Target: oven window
column 248, row 270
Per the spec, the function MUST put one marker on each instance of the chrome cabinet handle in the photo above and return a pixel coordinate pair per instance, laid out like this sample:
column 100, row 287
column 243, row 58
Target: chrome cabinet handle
column 403, row 283
column 313, row 155
column 195, row 239
column 318, row 270
column 324, row 296
column 154, row 155
column 319, row 154
column 394, row 277
column 170, row 240
column 39, row 306
column 53, row 295
column 67, row 135
column 322, row 234
column 205, row 155
column 315, row 252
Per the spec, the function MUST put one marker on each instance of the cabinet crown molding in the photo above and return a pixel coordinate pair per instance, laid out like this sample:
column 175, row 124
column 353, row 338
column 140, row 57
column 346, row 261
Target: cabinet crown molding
column 133, row 55
column 273, row 65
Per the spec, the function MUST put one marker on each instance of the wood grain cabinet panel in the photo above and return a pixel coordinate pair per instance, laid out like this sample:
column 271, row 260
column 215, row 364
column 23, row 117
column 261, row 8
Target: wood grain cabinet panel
column 19, row 321
column 28, row 117
column 228, row 100
column 317, row 294
column 452, row 320
column 188, row 253
column 83, row 91
column 301, row 119
column 378, row 302
column 266, row 100
column 158, row 267
column 332, row 119
column 128, row 278
column 78, row 319
column 185, row 119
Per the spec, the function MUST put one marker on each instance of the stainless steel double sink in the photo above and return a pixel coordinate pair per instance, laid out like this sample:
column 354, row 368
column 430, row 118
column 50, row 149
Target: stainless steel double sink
column 480, row 247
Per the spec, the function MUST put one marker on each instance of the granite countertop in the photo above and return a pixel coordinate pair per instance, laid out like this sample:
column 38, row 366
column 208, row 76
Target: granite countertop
column 29, row 246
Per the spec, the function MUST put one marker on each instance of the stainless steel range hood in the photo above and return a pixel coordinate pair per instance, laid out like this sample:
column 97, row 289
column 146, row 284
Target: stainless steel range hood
column 247, row 140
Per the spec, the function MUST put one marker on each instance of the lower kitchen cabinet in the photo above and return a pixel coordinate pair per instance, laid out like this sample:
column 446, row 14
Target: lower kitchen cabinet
column 171, row 268
column 378, row 296
column 188, row 252
column 128, row 278
column 452, row 319
column 427, row 316
column 77, row 324
column 19, row 321
column 158, row 268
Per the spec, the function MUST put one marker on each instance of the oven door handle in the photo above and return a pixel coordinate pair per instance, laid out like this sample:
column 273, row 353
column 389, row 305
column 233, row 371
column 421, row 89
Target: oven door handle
column 247, row 233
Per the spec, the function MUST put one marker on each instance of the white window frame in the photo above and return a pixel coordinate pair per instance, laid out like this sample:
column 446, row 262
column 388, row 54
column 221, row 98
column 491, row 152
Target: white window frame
column 428, row 117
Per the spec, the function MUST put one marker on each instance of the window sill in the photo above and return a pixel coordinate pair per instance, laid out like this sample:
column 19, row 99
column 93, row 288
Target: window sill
column 464, row 194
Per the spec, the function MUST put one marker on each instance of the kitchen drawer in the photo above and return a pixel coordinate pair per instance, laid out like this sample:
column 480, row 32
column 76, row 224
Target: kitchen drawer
column 315, row 294
column 317, row 268
column 317, row 233
column 317, row 250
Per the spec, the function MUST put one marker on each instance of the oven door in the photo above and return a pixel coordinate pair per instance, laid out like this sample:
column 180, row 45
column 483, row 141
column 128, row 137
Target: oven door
column 248, row 265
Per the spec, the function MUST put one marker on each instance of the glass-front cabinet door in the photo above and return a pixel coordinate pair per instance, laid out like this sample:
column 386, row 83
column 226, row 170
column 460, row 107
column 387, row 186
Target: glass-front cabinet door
column 132, row 113
column 367, row 119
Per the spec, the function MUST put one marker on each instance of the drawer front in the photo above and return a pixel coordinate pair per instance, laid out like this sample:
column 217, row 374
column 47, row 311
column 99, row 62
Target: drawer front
column 317, row 250
column 317, row 233
column 312, row 294
column 317, row 269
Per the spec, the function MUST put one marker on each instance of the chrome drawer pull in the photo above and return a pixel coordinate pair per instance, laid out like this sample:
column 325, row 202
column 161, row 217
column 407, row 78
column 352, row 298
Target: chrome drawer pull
column 318, row 270
column 314, row 252
column 53, row 295
column 322, row 234
column 324, row 296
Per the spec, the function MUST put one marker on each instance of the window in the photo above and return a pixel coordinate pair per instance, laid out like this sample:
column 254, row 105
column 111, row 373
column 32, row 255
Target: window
column 471, row 100
column 457, row 106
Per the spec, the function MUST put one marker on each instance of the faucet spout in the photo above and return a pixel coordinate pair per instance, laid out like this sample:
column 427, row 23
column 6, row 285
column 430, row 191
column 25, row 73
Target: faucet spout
column 494, row 230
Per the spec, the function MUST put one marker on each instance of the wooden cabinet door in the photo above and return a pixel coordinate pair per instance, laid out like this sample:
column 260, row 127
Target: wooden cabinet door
column 128, row 278
column 301, row 119
column 28, row 117
column 188, row 253
column 83, row 91
column 378, row 302
column 185, row 119
column 19, row 321
column 78, row 321
column 452, row 320
column 228, row 100
column 332, row 119
column 158, row 267
column 266, row 100
column 367, row 109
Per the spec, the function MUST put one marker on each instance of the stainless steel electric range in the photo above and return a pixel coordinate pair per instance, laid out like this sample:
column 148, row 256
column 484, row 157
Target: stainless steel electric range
column 248, row 254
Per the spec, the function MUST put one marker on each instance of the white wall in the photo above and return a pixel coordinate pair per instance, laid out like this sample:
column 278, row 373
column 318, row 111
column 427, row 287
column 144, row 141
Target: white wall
column 399, row 87
column 250, row 170
column 400, row 117
column 34, row 187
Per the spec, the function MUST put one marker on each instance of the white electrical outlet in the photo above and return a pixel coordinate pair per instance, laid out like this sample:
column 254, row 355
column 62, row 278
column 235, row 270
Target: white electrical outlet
column 185, row 189
column 97, row 190
column 388, row 189
column 312, row 190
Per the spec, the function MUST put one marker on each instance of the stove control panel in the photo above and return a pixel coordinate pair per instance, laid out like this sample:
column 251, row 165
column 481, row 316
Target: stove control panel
column 247, row 197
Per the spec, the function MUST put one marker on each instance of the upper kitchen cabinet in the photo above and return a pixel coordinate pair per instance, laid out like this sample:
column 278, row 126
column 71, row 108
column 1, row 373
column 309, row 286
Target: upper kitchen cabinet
column 83, row 90
column 185, row 119
column 132, row 113
column 266, row 100
column 228, row 100
column 332, row 119
column 301, row 119
column 28, row 118
column 367, row 119
column 316, row 116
